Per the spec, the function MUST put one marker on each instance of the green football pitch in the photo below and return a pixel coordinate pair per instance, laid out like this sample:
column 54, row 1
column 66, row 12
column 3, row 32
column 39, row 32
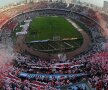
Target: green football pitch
column 60, row 35
column 48, row 27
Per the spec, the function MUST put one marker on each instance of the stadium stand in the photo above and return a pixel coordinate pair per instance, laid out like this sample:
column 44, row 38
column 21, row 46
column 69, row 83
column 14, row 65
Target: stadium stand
column 92, row 62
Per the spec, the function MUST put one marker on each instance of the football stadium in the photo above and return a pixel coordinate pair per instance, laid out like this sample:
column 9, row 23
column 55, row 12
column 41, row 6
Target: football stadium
column 53, row 45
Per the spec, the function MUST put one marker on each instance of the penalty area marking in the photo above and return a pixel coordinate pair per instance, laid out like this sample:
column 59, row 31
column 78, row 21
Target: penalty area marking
column 75, row 25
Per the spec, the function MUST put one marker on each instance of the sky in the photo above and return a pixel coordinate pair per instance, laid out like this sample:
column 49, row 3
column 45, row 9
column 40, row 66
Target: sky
column 5, row 2
column 96, row 2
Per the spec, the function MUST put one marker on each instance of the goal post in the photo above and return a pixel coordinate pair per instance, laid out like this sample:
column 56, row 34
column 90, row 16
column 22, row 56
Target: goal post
column 56, row 38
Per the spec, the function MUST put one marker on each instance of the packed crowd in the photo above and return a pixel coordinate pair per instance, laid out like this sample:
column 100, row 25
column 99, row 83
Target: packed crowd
column 40, row 5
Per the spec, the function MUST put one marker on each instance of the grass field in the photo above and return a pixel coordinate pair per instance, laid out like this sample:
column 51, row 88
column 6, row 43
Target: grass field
column 48, row 27
column 45, row 28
